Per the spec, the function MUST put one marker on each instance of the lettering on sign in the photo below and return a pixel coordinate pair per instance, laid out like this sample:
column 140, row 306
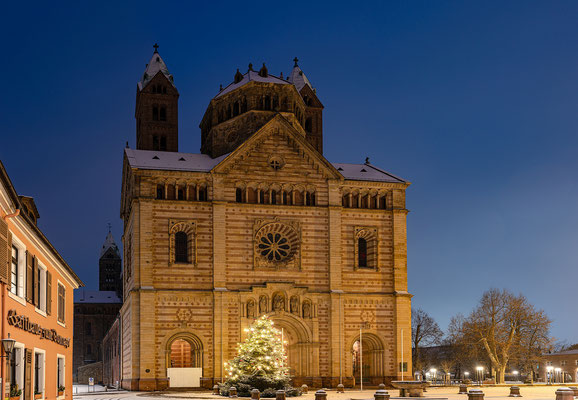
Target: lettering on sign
column 22, row 322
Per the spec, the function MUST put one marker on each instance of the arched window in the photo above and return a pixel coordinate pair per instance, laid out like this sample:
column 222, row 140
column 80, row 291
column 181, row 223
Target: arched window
column 155, row 113
column 163, row 144
column 155, row 142
column 181, row 195
column 267, row 103
column 307, row 198
column 236, row 109
column 203, row 194
column 163, row 114
column 362, row 253
column 160, row 192
column 309, row 125
column 239, row 195
column 273, row 197
column 261, row 197
column 285, row 197
column 181, row 247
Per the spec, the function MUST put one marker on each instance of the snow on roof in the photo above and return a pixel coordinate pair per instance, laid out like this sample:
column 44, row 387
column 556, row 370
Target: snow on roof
column 109, row 243
column 155, row 66
column 96, row 296
column 251, row 76
column 298, row 78
column 173, row 161
column 563, row 353
column 365, row 172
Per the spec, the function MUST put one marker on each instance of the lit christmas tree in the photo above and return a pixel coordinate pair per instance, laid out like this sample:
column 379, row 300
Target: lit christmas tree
column 260, row 362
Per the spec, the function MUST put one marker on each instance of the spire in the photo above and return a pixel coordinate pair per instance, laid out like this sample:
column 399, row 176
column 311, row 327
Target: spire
column 109, row 243
column 298, row 78
column 238, row 76
column 264, row 72
column 155, row 66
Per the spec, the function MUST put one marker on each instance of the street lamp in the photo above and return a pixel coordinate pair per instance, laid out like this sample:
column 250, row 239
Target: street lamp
column 549, row 370
column 8, row 346
column 433, row 372
column 466, row 374
column 480, row 374
column 516, row 375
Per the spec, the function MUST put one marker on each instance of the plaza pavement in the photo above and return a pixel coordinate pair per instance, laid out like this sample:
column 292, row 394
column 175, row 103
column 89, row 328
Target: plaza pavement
column 537, row 392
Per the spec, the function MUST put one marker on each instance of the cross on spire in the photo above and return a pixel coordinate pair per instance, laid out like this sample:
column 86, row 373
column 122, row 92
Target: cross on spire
column 296, row 61
column 156, row 46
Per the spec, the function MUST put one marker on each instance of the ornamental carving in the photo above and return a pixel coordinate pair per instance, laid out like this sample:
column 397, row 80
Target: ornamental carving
column 277, row 244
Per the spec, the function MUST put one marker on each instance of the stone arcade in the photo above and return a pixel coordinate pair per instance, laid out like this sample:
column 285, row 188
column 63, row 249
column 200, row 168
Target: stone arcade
column 258, row 223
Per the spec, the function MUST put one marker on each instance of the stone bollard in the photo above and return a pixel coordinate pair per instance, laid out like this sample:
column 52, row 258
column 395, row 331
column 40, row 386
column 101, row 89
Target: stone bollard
column 304, row 388
column 463, row 389
column 575, row 389
column 381, row 386
column 255, row 394
column 476, row 394
column 320, row 395
column 381, row 395
column 340, row 388
column 280, row 395
column 564, row 393
column 216, row 390
column 233, row 392
column 515, row 391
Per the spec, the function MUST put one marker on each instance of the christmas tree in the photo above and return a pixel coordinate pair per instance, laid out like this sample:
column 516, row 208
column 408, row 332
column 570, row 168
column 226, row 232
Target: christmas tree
column 260, row 363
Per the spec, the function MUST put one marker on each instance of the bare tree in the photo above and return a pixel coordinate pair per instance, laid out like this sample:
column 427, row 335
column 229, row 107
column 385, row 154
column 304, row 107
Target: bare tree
column 533, row 341
column 500, row 325
column 425, row 331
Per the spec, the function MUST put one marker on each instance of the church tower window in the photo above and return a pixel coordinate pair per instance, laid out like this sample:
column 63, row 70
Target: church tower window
column 160, row 192
column 309, row 125
column 163, row 143
column 239, row 195
column 163, row 114
column 155, row 113
column 181, row 248
column 273, row 197
column 362, row 253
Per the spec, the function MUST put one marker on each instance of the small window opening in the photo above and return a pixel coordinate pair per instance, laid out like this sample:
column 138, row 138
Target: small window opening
column 163, row 114
column 362, row 252
column 160, row 192
column 163, row 144
column 155, row 113
column 273, row 197
column 239, row 195
column 181, row 247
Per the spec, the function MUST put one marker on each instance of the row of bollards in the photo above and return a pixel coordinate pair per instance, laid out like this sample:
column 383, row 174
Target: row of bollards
column 380, row 394
column 563, row 393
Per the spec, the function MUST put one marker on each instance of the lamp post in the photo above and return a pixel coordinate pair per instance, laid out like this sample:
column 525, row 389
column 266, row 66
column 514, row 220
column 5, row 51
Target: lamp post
column 433, row 372
column 549, row 370
column 8, row 347
column 480, row 374
column 516, row 375
column 466, row 374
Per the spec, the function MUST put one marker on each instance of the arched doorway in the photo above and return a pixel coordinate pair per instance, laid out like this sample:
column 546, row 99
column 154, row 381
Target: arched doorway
column 367, row 356
column 184, row 355
column 298, row 346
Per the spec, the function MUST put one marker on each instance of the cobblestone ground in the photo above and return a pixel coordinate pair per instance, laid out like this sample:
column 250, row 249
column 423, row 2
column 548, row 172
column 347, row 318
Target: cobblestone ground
column 541, row 392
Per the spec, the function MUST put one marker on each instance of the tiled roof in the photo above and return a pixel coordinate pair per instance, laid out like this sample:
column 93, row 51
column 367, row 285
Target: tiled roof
column 96, row 296
column 172, row 161
column 251, row 76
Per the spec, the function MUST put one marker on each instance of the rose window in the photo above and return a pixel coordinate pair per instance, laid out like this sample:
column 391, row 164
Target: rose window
column 274, row 246
column 276, row 243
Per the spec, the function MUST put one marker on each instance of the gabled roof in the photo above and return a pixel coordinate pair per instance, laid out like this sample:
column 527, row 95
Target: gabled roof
column 109, row 243
column 172, row 161
column 366, row 172
column 251, row 76
column 155, row 66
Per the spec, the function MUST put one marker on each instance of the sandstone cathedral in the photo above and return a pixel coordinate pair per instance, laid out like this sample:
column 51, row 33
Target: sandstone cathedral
column 258, row 223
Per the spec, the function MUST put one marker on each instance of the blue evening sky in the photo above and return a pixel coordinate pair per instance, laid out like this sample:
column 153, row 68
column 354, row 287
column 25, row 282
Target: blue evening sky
column 474, row 102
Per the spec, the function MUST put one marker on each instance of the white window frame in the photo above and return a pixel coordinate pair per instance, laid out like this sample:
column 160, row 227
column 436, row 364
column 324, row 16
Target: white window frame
column 19, row 378
column 41, row 309
column 61, row 374
column 19, row 295
column 42, row 380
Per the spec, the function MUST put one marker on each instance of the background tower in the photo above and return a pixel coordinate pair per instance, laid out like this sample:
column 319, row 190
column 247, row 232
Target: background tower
column 157, row 108
column 109, row 266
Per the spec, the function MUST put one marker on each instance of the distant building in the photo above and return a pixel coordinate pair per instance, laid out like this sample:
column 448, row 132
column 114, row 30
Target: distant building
column 37, row 286
column 95, row 312
column 566, row 361
column 111, row 360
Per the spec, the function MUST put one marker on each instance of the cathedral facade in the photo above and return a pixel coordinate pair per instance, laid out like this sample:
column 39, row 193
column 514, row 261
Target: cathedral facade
column 258, row 223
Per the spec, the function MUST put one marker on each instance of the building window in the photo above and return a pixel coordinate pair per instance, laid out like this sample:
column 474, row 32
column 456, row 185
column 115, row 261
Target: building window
column 163, row 145
column 160, row 192
column 155, row 142
column 155, row 113
column 40, row 289
column 60, row 373
column 203, row 194
column 308, row 125
column 362, row 253
column 181, row 194
column 88, row 329
column 239, row 195
column 273, row 197
column 15, row 271
column 88, row 349
column 366, row 251
column 61, row 303
column 163, row 114
column 38, row 373
column 181, row 248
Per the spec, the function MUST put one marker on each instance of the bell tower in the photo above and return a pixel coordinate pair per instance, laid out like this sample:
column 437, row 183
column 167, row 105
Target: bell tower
column 157, row 107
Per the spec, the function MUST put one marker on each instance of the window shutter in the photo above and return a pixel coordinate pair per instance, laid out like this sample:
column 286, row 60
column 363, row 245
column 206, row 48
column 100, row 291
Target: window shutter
column 36, row 284
column 29, row 277
column 48, row 292
column 28, row 373
column 5, row 251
